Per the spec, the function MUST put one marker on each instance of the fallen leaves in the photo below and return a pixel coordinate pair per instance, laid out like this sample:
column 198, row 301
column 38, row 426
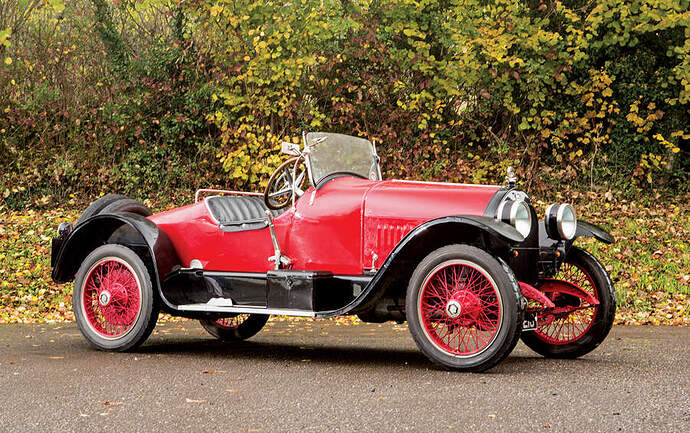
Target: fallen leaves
column 189, row 400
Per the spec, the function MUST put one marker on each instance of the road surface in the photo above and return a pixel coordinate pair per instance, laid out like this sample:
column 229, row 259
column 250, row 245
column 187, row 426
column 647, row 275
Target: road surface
column 318, row 376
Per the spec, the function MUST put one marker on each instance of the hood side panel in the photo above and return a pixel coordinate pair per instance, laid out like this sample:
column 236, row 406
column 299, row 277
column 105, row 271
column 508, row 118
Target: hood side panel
column 394, row 208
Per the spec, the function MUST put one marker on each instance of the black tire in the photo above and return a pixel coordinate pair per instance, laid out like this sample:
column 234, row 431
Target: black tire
column 236, row 328
column 505, row 292
column 138, row 328
column 127, row 205
column 97, row 205
column 601, row 323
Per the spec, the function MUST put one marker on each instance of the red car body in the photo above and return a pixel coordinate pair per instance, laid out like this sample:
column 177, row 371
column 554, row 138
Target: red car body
column 346, row 224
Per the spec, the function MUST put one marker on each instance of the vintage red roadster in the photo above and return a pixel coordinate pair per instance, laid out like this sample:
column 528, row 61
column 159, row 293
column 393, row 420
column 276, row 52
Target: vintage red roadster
column 469, row 267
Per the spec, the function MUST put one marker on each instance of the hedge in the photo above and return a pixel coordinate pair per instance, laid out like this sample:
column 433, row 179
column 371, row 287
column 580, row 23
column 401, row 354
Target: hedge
column 155, row 98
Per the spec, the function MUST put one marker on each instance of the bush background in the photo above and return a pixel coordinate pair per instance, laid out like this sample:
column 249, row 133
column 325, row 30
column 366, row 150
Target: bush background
column 156, row 97
column 588, row 100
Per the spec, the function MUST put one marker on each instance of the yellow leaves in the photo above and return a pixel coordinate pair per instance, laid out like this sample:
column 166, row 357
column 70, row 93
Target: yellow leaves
column 410, row 32
column 643, row 124
column 672, row 147
column 216, row 10
column 575, row 154
column 5, row 37
column 680, row 134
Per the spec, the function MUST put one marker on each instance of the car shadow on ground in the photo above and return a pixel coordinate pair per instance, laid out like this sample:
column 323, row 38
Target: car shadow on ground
column 287, row 352
column 364, row 356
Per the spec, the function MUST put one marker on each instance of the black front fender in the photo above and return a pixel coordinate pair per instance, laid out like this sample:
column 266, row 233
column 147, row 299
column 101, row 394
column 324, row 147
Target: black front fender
column 133, row 231
column 489, row 233
column 586, row 229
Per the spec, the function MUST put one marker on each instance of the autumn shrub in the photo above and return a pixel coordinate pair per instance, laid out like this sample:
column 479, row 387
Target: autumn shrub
column 594, row 93
column 102, row 96
column 154, row 97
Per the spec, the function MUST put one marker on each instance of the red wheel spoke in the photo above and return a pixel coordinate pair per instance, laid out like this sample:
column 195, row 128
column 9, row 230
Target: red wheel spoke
column 232, row 322
column 563, row 328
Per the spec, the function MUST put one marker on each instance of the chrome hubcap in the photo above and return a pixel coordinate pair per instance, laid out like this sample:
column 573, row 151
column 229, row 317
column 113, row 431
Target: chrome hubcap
column 453, row 309
column 104, row 298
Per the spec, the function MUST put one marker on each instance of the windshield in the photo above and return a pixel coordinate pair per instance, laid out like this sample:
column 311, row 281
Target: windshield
column 330, row 153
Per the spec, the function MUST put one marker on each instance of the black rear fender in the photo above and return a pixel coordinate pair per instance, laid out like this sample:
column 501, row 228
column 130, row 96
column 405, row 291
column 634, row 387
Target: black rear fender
column 391, row 279
column 133, row 231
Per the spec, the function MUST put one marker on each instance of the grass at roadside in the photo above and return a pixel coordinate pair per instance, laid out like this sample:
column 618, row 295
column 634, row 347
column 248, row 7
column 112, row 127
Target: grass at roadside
column 649, row 263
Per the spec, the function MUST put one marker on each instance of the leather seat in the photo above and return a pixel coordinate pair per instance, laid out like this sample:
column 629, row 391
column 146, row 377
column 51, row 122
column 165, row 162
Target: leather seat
column 238, row 213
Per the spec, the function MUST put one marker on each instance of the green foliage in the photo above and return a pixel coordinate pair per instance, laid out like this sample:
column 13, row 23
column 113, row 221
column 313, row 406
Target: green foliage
column 484, row 84
column 110, row 97
column 129, row 95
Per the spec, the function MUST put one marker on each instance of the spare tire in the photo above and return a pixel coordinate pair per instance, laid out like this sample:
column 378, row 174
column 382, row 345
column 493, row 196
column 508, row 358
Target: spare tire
column 127, row 205
column 97, row 206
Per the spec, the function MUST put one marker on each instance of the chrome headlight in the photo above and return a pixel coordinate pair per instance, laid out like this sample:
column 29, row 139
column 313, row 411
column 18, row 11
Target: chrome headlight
column 517, row 214
column 560, row 221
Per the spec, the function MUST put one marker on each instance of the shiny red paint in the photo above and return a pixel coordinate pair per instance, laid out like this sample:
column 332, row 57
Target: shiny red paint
column 394, row 208
column 534, row 294
column 337, row 228
column 196, row 236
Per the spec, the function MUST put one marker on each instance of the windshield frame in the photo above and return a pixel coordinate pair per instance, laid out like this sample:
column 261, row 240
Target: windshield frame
column 308, row 139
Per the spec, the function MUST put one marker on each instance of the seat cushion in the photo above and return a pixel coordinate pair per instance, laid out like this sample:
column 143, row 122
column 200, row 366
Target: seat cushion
column 237, row 213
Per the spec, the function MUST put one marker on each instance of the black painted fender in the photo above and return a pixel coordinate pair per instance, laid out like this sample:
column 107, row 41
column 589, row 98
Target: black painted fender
column 455, row 228
column 587, row 229
column 131, row 230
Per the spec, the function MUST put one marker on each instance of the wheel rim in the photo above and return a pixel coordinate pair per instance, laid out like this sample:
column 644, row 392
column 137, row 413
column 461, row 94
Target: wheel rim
column 233, row 322
column 569, row 327
column 111, row 298
column 460, row 308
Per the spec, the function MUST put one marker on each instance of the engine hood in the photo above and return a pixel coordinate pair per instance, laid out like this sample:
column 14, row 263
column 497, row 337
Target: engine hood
column 393, row 208
column 422, row 201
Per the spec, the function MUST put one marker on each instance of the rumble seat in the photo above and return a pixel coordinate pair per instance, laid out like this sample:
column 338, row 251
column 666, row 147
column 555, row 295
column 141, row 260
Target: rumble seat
column 238, row 213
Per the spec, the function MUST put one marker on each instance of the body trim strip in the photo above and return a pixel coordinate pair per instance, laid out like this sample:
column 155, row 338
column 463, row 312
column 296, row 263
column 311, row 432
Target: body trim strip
column 244, row 309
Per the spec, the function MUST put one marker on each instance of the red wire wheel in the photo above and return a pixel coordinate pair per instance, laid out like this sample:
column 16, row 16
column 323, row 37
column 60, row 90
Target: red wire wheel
column 460, row 308
column 235, row 328
column 111, row 298
column 582, row 318
column 568, row 327
column 232, row 322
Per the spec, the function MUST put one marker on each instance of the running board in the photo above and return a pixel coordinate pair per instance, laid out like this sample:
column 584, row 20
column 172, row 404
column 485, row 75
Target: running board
column 242, row 309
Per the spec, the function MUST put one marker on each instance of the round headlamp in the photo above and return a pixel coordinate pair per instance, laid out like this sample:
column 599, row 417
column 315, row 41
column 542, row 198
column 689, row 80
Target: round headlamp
column 517, row 214
column 560, row 221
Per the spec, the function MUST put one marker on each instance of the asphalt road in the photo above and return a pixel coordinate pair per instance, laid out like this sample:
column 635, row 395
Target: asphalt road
column 317, row 376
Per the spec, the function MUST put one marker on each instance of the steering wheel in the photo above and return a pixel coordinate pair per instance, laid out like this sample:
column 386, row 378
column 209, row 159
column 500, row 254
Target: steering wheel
column 278, row 194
